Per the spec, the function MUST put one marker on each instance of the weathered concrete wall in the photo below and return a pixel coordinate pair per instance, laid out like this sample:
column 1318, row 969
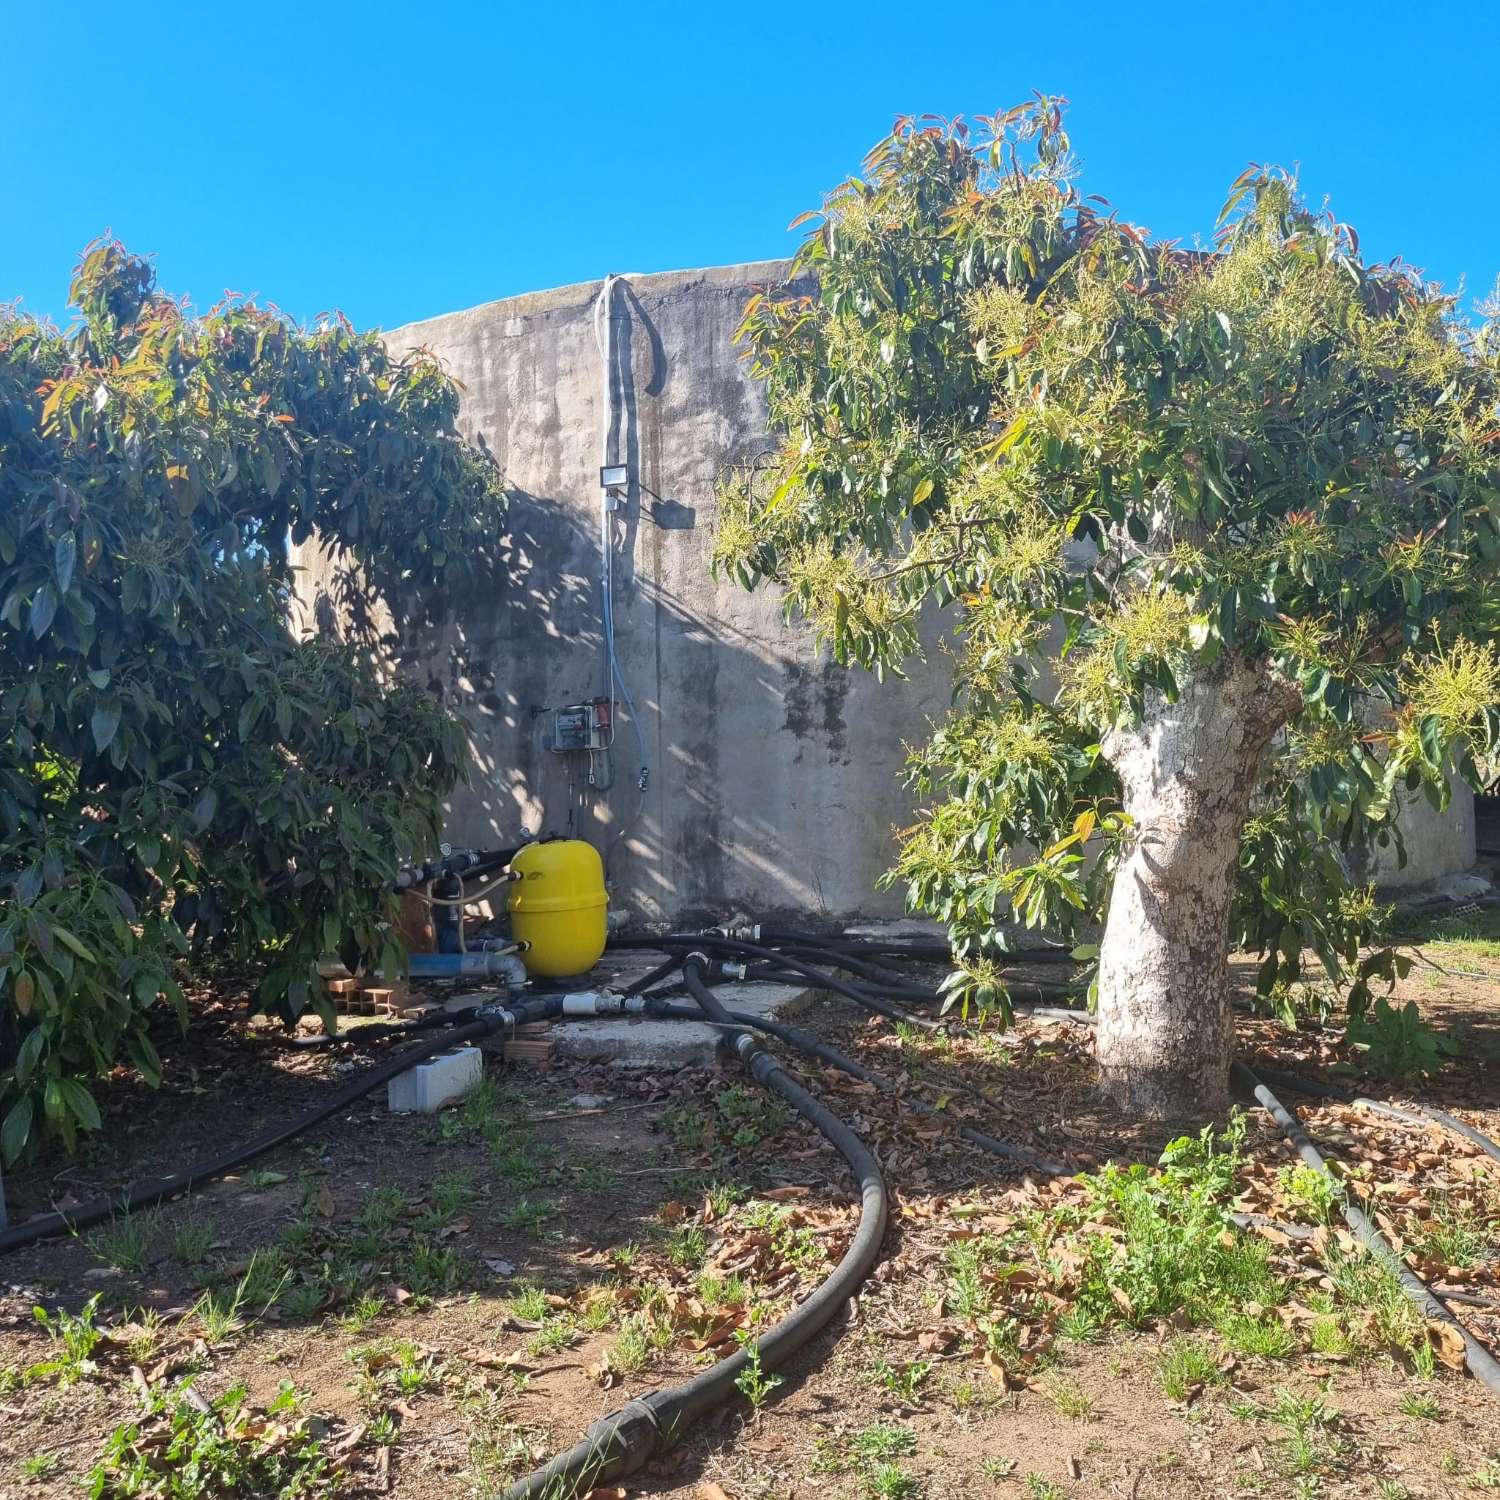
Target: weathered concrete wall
column 774, row 779
column 775, row 774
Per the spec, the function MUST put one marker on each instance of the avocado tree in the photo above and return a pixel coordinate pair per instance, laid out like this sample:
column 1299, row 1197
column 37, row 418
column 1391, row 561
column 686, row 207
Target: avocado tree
column 1217, row 532
column 180, row 773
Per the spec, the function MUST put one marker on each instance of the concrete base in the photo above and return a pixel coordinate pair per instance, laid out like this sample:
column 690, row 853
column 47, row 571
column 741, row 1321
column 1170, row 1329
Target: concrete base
column 440, row 1080
column 636, row 1042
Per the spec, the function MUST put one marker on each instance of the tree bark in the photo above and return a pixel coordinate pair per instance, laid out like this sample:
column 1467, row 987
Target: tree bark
column 1187, row 771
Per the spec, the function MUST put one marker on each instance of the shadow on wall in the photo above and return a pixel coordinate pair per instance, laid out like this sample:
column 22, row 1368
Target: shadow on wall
column 742, row 741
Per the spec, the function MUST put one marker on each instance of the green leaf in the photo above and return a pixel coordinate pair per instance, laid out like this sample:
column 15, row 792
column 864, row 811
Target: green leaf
column 64, row 555
column 43, row 610
column 16, row 1130
column 80, row 1103
column 104, row 723
column 67, row 939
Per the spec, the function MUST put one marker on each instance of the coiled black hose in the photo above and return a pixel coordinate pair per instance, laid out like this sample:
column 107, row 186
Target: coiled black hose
column 1482, row 1364
column 624, row 1440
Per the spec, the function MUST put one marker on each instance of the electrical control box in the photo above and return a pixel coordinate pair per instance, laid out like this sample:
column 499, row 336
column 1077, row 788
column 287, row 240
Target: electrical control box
column 582, row 726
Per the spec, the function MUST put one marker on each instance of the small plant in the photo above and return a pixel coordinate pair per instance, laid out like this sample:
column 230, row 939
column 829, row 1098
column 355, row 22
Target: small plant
column 1419, row 1404
column 125, row 1243
column 1397, row 1043
column 394, row 1368
column 903, row 1380
column 753, row 1383
column 1316, row 1194
column 1456, row 1234
column 882, row 1441
column 890, row 1482
column 1266, row 1338
column 997, row 1469
column 74, row 1339
column 432, row 1270
column 304, row 1300
column 1042, row 1489
column 221, row 1314
column 383, row 1431
column 552, row 1336
column 687, row 1126
column 40, row 1466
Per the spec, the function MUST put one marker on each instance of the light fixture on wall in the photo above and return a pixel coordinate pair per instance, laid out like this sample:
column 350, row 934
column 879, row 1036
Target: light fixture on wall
column 614, row 480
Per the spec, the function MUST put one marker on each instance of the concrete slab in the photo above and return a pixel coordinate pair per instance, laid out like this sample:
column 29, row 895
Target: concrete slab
column 636, row 1042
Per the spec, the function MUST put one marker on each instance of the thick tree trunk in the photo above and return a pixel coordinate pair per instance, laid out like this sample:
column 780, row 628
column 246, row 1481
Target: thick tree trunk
column 1187, row 773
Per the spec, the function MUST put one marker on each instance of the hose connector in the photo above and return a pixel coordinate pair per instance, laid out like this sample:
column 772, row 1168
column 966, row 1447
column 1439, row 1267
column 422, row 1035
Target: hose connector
column 728, row 969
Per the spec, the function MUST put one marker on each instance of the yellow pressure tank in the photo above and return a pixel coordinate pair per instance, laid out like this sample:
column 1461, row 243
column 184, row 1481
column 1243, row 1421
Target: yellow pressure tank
column 559, row 907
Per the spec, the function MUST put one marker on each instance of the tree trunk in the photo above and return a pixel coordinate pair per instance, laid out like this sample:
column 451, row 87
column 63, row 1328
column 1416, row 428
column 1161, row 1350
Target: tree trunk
column 1188, row 771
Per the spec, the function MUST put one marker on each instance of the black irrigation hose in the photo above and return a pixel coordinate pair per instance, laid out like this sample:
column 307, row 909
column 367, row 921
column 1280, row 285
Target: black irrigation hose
column 813, row 1046
column 144, row 1194
column 624, row 1440
column 1482, row 1364
column 1416, row 1114
column 822, row 980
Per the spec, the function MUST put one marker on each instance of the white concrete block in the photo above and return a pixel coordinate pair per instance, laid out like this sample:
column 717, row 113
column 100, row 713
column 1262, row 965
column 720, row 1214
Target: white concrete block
column 439, row 1080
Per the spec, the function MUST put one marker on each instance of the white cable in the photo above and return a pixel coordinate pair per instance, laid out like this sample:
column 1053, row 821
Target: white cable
column 604, row 339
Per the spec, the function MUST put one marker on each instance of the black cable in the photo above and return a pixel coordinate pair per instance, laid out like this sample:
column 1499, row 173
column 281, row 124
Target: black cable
column 624, row 1440
column 1482, row 1364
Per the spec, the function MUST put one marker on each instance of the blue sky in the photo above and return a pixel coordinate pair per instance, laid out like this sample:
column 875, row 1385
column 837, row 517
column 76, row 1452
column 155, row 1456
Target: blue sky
column 400, row 159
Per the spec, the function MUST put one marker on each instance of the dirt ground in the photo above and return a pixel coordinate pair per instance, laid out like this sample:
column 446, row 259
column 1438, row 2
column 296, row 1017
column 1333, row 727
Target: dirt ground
column 477, row 1287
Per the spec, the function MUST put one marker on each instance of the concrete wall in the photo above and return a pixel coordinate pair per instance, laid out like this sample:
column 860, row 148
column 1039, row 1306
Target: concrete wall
column 775, row 774
column 774, row 780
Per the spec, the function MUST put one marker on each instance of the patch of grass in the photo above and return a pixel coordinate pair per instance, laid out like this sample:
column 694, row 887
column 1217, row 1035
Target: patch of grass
column 1042, row 1489
column 192, row 1240
column 432, row 1270
column 631, row 1350
column 997, row 1468
column 526, row 1216
column 40, row 1466
column 303, row 1300
column 686, row 1246
column 1066, row 1396
column 1186, row 1364
column 362, row 1314
column 394, row 1367
column 383, row 1210
column 222, row 1312
column 1264, row 1338
column 125, row 1243
column 551, row 1336
column 529, row 1303
column 452, row 1193
column 226, row 1450
column 1457, row 1234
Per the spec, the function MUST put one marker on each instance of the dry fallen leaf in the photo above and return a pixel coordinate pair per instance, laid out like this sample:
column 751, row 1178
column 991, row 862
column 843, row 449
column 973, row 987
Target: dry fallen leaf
column 708, row 1490
column 325, row 1201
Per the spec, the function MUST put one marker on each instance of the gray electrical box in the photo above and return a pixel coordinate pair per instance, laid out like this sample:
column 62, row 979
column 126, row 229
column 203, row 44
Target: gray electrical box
column 581, row 726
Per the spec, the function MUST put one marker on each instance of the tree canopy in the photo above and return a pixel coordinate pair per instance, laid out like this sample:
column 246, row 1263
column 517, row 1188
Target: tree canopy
column 1121, row 463
column 180, row 772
